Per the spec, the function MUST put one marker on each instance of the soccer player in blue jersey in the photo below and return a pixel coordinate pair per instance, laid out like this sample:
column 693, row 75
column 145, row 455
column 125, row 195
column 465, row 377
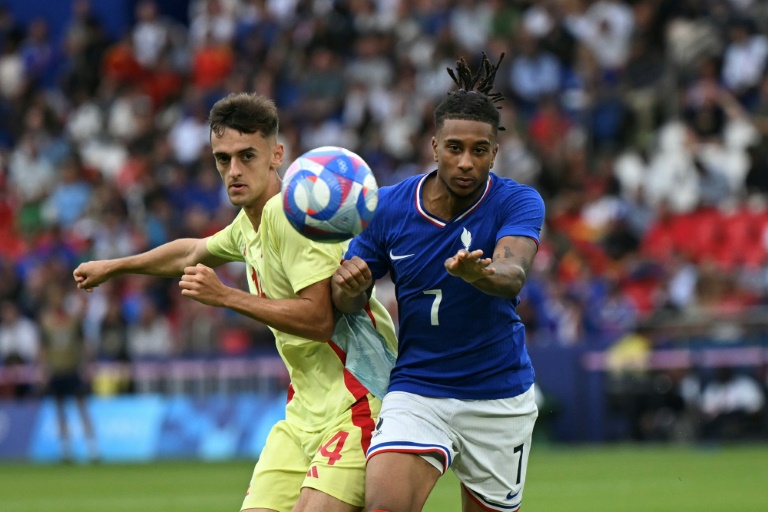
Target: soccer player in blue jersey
column 458, row 243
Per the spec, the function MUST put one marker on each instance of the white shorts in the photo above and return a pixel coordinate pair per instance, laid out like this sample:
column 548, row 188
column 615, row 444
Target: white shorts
column 485, row 442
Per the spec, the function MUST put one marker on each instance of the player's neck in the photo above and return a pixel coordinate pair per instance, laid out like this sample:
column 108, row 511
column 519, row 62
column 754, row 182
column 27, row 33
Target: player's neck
column 254, row 211
column 441, row 202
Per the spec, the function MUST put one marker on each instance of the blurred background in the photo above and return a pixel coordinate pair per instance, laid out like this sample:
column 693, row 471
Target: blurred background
column 643, row 123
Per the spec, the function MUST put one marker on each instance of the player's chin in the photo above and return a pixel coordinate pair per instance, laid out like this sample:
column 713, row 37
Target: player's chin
column 465, row 188
column 238, row 199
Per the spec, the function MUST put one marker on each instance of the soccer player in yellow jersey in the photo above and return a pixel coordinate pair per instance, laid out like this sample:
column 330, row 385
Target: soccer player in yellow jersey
column 314, row 460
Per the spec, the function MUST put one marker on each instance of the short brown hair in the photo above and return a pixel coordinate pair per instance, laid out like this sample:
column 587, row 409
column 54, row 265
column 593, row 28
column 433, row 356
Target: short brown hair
column 246, row 113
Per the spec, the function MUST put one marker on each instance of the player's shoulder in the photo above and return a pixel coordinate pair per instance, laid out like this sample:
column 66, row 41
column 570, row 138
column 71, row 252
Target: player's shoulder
column 272, row 212
column 239, row 224
column 274, row 204
column 400, row 193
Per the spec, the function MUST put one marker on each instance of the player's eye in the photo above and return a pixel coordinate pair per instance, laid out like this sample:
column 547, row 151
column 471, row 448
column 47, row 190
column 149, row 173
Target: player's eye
column 248, row 156
column 222, row 159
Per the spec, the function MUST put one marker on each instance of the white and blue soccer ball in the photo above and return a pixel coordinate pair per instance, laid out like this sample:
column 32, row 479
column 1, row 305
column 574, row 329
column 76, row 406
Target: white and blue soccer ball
column 329, row 194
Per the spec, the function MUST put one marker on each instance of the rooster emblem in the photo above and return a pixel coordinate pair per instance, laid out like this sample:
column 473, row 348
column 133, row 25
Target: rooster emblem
column 466, row 238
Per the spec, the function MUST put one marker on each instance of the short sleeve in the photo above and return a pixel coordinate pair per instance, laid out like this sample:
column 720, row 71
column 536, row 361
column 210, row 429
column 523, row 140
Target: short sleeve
column 226, row 243
column 523, row 214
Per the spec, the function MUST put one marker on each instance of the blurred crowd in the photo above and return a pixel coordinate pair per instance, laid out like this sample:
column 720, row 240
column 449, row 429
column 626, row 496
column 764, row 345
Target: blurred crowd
column 643, row 123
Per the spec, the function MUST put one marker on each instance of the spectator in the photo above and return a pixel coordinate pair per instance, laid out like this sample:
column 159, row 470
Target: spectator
column 534, row 74
column 19, row 346
column 731, row 405
column 151, row 336
column 64, row 361
column 70, row 196
column 744, row 62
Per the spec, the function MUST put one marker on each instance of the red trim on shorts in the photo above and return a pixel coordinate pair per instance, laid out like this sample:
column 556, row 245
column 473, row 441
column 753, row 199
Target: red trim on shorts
column 363, row 419
column 414, row 451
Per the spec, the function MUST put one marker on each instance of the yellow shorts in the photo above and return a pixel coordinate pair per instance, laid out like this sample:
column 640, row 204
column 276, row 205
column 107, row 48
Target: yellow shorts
column 331, row 461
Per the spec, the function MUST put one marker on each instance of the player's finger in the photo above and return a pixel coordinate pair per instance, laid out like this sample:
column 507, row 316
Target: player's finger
column 350, row 278
column 356, row 269
column 190, row 270
column 360, row 264
column 342, row 274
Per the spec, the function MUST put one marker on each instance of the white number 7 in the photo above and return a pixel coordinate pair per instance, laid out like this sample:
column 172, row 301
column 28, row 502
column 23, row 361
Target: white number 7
column 435, row 305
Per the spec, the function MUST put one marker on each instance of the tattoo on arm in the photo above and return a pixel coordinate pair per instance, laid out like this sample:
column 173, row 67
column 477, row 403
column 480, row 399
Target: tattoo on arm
column 508, row 255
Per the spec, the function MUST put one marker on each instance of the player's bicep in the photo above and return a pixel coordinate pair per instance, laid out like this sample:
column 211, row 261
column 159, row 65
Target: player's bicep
column 319, row 296
column 515, row 252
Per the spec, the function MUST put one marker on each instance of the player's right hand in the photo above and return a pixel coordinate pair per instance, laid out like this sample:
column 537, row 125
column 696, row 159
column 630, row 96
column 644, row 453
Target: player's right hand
column 353, row 276
column 91, row 274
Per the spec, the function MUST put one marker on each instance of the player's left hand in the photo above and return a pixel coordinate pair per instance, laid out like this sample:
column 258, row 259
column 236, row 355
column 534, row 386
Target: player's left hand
column 203, row 285
column 470, row 266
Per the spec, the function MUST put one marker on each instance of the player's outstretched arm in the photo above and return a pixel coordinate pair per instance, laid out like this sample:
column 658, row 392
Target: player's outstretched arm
column 168, row 260
column 504, row 275
column 309, row 316
column 351, row 285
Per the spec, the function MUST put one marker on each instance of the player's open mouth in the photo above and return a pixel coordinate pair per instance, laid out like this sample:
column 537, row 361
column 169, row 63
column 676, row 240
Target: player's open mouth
column 237, row 187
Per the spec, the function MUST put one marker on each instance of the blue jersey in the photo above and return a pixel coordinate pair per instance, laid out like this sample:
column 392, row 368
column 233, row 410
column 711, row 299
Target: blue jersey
column 454, row 340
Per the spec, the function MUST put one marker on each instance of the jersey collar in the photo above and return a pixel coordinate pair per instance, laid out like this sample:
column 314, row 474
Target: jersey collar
column 437, row 221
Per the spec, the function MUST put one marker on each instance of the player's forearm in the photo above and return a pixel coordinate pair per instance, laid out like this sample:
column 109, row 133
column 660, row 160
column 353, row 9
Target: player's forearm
column 348, row 303
column 507, row 281
column 292, row 316
column 167, row 260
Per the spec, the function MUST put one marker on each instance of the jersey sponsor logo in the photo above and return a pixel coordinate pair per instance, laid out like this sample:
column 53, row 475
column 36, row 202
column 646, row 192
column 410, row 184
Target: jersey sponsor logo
column 312, row 473
column 466, row 238
column 398, row 257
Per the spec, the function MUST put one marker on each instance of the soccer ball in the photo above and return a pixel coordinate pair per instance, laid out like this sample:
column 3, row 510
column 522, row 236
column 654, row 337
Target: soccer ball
column 329, row 194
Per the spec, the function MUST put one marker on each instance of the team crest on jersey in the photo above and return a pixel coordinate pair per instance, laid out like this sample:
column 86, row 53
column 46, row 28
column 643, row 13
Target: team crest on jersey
column 466, row 238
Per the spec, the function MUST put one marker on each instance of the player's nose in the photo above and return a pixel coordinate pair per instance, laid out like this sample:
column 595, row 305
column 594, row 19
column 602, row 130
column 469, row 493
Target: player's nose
column 235, row 168
column 465, row 161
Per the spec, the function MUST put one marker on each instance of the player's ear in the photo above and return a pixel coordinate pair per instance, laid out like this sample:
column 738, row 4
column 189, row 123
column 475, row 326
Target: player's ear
column 494, row 151
column 277, row 155
column 434, row 148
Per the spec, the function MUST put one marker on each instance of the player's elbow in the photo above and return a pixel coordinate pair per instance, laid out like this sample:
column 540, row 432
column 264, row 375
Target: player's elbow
column 322, row 329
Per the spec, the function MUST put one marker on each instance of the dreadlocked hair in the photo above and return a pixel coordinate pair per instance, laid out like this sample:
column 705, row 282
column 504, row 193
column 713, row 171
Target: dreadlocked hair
column 473, row 100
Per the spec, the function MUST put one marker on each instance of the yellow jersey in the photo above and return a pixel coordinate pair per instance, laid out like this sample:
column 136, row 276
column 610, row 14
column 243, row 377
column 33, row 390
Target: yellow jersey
column 326, row 378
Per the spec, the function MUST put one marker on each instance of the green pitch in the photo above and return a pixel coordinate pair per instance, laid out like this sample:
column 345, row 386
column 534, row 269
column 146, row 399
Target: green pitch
column 626, row 478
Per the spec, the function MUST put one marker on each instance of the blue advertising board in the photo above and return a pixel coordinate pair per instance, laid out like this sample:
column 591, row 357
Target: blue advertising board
column 143, row 427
